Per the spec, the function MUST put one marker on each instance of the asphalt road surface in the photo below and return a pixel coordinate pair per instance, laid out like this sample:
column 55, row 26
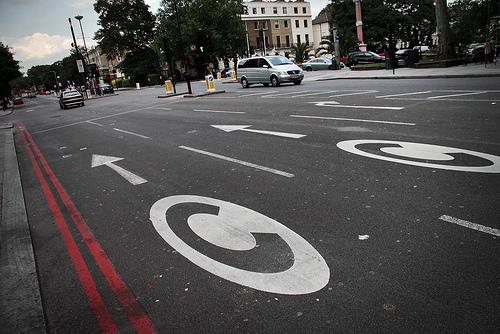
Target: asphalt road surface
column 346, row 206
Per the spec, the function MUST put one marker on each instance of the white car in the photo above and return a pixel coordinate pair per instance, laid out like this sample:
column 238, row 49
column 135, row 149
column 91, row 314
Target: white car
column 267, row 70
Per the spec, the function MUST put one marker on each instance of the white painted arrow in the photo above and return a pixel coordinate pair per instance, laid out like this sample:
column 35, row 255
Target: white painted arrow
column 230, row 128
column 99, row 160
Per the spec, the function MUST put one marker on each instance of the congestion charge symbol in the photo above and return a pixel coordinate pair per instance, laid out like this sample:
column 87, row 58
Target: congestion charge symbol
column 232, row 227
column 408, row 150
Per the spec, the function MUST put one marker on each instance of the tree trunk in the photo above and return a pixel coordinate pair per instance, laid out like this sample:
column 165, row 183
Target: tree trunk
column 445, row 42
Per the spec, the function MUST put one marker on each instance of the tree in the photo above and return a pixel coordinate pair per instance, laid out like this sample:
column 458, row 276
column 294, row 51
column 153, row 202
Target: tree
column 445, row 49
column 347, row 42
column 126, row 25
column 9, row 70
column 300, row 52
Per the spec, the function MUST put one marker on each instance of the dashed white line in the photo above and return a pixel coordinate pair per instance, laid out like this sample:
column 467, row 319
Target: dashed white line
column 474, row 226
column 241, row 162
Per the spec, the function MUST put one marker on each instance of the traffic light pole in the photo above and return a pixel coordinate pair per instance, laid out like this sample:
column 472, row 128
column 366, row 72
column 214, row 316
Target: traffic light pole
column 186, row 73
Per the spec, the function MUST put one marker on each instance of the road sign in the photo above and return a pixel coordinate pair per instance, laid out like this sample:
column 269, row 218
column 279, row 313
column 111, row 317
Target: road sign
column 79, row 64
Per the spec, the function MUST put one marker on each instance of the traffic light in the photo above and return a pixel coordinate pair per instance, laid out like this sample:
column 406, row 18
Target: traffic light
column 208, row 42
column 200, row 40
column 166, row 49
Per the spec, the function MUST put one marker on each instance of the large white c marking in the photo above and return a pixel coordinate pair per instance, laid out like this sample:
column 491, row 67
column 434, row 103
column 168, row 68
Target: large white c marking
column 232, row 229
column 422, row 151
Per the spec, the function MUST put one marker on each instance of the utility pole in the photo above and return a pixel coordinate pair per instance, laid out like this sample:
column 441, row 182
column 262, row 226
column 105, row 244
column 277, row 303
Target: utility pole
column 78, row 52
column 359, row 24
column 186, row 73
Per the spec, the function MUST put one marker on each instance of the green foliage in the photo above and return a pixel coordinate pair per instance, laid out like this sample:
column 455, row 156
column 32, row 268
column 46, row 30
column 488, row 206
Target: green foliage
column 9, row 70
column 410, row 17
column 125, row 26
column 301, row 52
column 119, row 83
column 347, row 42
column 140, row 63
column 220, row 18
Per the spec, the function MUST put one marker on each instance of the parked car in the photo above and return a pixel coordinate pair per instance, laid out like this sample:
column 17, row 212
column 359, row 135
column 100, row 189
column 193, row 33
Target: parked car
column 70, row 98
column 362, row 57
column 475, row 53
column 401, row 54
column 318, row 64
column 17, row 100
column 106, row 89
column 31, row 95
column 227, row 73
column 267, row 70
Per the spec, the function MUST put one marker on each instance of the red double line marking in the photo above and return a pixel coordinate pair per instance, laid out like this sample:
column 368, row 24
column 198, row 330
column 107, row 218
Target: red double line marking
column 139, row 319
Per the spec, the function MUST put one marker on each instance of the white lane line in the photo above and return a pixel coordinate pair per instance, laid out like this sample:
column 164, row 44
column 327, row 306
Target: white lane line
column 454, row 95
column 356, row 93
column 131, row 133
column 317, row 93
column 276, row 96
column 353, row 120
column 220, row 111
column 244, row 163
column 336, row 105
column 90, row 122
column 262, row 93
column 403, row 94
column 474, row 226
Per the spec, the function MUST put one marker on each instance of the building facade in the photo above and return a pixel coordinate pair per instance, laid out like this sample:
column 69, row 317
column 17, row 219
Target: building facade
column 273, row 27
column 108, row 69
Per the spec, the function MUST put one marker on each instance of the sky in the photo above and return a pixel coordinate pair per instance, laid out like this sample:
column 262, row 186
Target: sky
column 38, row 31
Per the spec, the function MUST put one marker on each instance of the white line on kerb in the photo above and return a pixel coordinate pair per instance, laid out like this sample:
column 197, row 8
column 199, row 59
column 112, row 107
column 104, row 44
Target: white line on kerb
column 244, row 163
column 474, row 226
column 131, row 133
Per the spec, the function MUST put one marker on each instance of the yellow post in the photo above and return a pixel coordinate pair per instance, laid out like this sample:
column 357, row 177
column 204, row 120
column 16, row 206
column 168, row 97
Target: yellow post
column 209, row 79
column 219, row 76
column 168, row 87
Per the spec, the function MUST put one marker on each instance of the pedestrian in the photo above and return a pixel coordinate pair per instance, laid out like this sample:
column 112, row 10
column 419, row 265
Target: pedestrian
column 487, row 52
column 4, row 103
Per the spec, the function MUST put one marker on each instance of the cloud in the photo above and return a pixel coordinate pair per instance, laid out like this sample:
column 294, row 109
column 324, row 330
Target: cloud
column 39, row 46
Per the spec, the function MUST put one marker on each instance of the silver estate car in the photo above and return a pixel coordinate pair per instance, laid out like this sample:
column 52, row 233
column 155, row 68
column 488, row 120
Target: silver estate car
column 267, row 70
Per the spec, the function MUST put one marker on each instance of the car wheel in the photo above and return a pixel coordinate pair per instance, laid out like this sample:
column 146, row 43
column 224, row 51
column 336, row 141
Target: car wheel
column 244, row 83
column 274, row 81
column 83, row 103
column 309, row 69
column 297, row 82
column 61, row 106
column 330, row 67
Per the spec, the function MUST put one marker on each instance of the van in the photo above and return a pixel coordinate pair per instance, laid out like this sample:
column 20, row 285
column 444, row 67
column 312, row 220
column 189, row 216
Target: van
column 267, row 70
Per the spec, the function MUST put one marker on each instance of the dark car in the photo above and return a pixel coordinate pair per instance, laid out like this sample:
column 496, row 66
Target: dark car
column 401, row 54
column 106, row 89
column 362, row 57
column 70, row 98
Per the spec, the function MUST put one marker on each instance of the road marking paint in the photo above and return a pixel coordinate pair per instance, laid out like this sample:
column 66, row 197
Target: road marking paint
column 230, row 128
column 137, row 316
column 131, row 133
column 317, row 93
column 233, row 228
column 352, row 120
column 94, row 123
column 356, row 93
column 403, row 94
column 274, row 96
column 337, row 105
column 428, row 152
column 253, row 94
column 99, row 160
column 454, row 95
column 241, row 162
column 220, row 111
column 474, row 226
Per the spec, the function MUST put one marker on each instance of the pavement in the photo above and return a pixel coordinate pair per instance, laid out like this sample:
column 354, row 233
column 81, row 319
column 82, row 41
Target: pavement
column 20, row 298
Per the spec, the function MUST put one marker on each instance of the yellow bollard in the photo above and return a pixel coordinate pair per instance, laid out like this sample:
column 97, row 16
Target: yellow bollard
column 219, row 76
column 210, row 82
column 233, row 75
column 168, row 87
column 137, row 86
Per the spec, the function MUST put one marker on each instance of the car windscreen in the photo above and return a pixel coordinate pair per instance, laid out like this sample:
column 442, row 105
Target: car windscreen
column 279, row 61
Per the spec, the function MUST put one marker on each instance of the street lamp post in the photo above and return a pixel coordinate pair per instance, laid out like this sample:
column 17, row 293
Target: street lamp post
column 494, row 22
column 359, row 24
column 79, row 18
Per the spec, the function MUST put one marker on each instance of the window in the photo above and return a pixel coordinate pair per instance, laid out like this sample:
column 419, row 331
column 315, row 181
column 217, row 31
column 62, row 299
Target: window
column 264, row 25
column 284, row 10
column 256, row 25
column 286, row 24
column 275, row 10
column 298, row 39
column 304, row 10
column 278, row 41
column 252, row 62
column 297, row 24
column 254, row 10
column 263, row 10
column 287, row 39
column 276, row 24
column 295, row 10
column 305, row 23
column 307, row 39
